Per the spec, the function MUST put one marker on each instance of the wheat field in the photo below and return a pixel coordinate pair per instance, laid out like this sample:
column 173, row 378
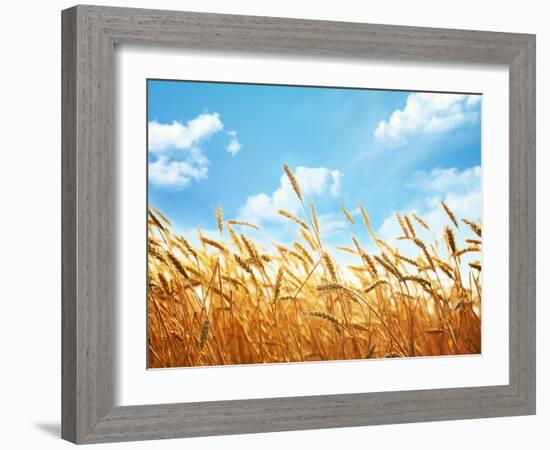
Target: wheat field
column 230, row 301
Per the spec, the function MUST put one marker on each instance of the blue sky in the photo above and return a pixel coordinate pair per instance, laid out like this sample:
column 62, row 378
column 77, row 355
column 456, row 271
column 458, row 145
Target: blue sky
column 223, row 145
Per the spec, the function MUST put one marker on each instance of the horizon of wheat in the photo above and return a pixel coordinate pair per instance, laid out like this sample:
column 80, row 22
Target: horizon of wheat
column 229, row 301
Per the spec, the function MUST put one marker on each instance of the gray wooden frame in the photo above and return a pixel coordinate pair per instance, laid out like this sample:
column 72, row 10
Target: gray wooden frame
column 89, row 37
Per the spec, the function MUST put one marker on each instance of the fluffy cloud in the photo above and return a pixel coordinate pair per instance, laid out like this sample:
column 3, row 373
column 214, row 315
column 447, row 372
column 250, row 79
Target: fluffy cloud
column 448, row 180
column 331, row 224
column 178, row 136
column 428, row 113
column 234, row 147
column 179, row 158
column 177, row 174
column 313, row 182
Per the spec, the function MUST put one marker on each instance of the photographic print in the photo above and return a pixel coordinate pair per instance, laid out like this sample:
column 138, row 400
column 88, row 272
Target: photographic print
column 294, row 224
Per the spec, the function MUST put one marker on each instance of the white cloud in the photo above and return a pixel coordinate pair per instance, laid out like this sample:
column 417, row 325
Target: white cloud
column 336, row 182
column 331, row 224
column 313, row 182
column 234, row 147
column 176, row 135
column 448, row 180
column 179, row 158
column 428, row 113
column 177, row 174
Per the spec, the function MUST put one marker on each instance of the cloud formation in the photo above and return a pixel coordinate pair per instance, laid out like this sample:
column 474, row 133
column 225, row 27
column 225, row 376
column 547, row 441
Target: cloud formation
column 331, row 224
column 177, row 136
column 427, row 113
column 313, row 182
column 448, row 180
column 178, row 174
column 234, row 146
column 176, row 146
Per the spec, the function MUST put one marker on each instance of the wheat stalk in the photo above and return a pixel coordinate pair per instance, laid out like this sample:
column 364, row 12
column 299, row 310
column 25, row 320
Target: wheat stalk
column 219, row 219
column 326, row 316
column 450, row 239
column 203, row 336
column 292, row 217
column 473, row 226
column 375, row 285
column 449, row 213
column 406, row 231
column 410, row 226
column 330, row 265
column 293, row 181
column 213, row 243
column 243, row 223
column 315, row 219
column 421, row 221
column 347, row 214
column 475, row 265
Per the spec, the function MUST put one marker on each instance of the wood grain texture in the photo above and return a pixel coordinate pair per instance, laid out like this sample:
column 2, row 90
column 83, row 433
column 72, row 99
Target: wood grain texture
column 89, row 36
column 68, row 225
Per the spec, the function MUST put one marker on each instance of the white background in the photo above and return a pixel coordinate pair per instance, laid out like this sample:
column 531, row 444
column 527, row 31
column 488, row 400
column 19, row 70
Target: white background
column 30, row 226
column 134, row 385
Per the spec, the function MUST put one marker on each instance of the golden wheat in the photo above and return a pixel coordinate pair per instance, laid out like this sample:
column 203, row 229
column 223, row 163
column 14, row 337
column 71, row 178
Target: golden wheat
column 351, row 220
column 420, row 221
column 292, row 217
column 231, row 301
column 449, row 213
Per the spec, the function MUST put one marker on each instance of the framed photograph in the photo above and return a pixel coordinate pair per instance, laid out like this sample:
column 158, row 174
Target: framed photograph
column 278, row 224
